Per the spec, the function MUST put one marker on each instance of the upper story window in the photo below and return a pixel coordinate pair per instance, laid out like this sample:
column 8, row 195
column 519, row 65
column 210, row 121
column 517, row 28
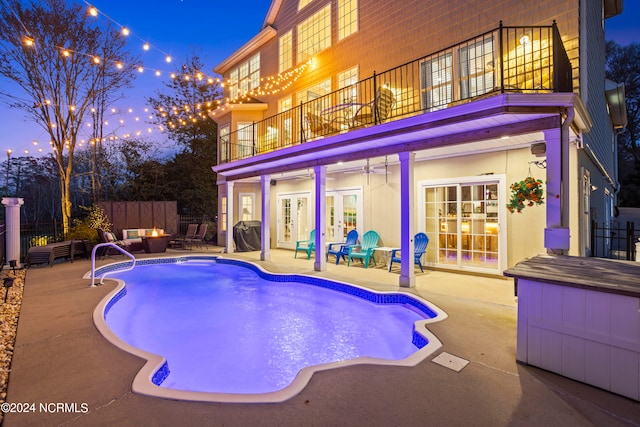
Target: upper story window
column 303, row 3
column 476, row 68
column 314, row 92
column 347, row 81
column 314, row 34
column 245, row 77
column 285, row 45
column 437, row 81
column 223, row 142
column 347, row 18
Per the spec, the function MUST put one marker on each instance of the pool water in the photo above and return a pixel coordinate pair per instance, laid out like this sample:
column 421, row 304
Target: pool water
column 224, row 329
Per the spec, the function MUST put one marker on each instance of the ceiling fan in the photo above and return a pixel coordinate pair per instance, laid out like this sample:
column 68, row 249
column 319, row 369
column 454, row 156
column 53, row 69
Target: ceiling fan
column 368, row 169
column 310, row 176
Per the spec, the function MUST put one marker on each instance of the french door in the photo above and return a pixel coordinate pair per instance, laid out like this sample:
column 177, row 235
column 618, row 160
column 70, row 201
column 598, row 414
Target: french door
column 294, row 219
column 464, row 222
column 343, row 213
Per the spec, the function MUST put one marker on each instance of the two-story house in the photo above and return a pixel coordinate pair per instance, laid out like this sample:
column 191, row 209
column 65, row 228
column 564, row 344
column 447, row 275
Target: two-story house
column 414, row 116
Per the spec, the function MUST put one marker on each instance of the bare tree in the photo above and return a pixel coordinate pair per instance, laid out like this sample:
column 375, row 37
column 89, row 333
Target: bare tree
column 623, row 66
column 64, row 65
column 181, row 108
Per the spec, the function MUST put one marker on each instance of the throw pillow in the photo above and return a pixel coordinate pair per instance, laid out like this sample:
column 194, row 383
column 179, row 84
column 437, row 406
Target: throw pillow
column 133, row 234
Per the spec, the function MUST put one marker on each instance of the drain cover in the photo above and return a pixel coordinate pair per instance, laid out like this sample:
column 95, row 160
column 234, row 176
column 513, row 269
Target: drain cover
column 450, row 361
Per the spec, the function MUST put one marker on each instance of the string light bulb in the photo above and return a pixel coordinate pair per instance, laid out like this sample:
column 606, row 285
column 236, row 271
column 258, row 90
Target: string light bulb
column 146, row 46
column 93, row 11
column 125, row 31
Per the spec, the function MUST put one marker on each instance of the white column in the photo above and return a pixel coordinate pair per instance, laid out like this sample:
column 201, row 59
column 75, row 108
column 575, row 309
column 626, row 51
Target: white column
column 556, row 233
column 12, row 220
column 265, row 253
column 230, row 197
column 407, row 274
column 320, row 172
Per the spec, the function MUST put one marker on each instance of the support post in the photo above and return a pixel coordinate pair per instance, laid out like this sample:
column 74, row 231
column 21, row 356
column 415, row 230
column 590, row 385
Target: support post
column 407, row 274
column 320, row 172
column 229, row 242
column 265, row 252
column 556, row 232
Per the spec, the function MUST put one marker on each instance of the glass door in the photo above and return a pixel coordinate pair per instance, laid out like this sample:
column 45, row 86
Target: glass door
column 463, row 222
column 293, row 218
column 343, row 213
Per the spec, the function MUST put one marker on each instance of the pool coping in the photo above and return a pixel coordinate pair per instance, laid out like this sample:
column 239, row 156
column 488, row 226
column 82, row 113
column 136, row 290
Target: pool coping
column 155, row 370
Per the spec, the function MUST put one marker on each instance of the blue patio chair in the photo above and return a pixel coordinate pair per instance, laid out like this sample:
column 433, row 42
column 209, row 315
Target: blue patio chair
column 364, row 251
column 420, row 242
column 341, row 250
column 307, row 246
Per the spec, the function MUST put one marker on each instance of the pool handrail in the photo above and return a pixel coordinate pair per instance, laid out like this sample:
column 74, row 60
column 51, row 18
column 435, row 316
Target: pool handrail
column 93, row 261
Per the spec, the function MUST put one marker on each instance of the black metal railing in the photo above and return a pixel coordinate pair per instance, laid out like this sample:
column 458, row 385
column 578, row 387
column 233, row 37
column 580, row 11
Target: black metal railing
column 506, row 59
column 615, row 240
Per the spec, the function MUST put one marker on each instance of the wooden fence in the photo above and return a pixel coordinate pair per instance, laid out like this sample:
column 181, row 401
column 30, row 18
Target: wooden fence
column 161, row 214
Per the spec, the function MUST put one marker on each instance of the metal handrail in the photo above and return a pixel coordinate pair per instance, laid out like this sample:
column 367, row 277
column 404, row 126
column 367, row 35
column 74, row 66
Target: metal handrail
column 93, row 261
column 522, row 59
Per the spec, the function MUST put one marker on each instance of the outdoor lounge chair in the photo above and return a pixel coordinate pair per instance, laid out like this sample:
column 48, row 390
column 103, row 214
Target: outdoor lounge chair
column 341, row 250
column 420, row 242
column 192, row 229
column 319, row 127
column 376, row 111
column 198, row 239
column 364, row 251
column 307, row 246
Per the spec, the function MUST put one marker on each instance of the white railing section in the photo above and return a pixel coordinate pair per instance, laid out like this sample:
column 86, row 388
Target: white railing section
column 93, row 261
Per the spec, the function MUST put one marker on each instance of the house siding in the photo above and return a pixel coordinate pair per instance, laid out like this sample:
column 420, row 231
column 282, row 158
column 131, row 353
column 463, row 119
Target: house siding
column 391, row 34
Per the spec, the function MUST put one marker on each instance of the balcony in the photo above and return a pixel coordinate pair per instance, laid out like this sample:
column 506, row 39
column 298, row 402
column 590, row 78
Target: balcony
column 506, row 59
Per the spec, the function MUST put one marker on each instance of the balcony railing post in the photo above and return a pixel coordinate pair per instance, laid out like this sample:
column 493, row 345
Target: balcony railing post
column 302, row 138
column 253, row 138
column 501, row 42
column 375, row 90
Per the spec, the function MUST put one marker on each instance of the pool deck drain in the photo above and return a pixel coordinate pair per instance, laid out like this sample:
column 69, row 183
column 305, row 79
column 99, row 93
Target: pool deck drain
column 450, row 361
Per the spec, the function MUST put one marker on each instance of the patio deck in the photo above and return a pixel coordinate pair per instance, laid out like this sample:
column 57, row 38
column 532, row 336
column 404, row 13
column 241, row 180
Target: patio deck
column 60, row 357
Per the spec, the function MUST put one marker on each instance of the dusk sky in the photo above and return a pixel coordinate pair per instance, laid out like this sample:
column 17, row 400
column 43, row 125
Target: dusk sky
column 177, row 27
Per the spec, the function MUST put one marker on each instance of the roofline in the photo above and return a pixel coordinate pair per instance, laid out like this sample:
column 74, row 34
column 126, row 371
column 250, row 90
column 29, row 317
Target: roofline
column 612, row 8
column 260, row 39
column 271, row 14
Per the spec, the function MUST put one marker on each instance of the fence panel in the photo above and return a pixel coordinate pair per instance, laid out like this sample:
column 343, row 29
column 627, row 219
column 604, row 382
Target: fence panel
column 615, row 240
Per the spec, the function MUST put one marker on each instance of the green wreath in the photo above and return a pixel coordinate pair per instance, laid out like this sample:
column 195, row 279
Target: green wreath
column 527, row 192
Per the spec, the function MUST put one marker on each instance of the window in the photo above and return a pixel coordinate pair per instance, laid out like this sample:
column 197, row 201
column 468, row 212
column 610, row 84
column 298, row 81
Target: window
column 436, row 76
column 223, row 213
column 314, row 34
column 347, row 18
column 287, row 119
column 314, row 92
column 346, row 79
column 246, row 204
column 285, row 51
column 476, row 69
column 245, row 139
column 245, row 78
column 223, row 143
column 303, row 3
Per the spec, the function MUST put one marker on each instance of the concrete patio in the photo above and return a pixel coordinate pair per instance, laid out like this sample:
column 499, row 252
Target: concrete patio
column 61, row 358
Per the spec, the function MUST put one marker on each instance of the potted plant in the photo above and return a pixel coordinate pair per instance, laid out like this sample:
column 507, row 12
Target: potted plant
column 528, row 192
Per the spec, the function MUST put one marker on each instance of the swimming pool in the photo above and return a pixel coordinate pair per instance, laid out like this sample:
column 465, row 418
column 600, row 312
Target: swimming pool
column 251, row 335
